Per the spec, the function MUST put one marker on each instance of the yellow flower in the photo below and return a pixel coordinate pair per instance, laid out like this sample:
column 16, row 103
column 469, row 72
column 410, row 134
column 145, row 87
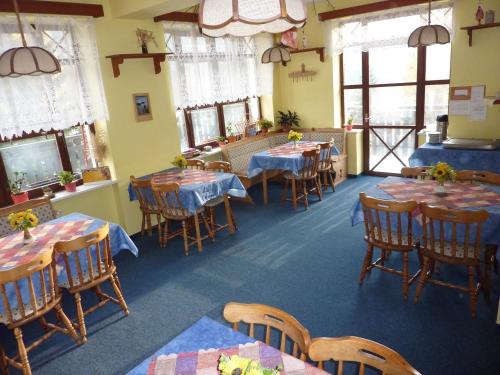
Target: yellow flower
column 32, row 219
column 228, row 364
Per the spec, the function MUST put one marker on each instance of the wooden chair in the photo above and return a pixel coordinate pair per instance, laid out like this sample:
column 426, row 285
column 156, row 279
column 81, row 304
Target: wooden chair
column 168, row 200
column 368, row 354
column 223, row 167
column 388, row 226
column 92, row 250
column 419, row 173
column 440, row 242
column 308, row 173
column 271, row 318
column 44, row 296
column 42, row 208
column 195, row 164
column 479, row 176
column 147, row 204
column 326, row 173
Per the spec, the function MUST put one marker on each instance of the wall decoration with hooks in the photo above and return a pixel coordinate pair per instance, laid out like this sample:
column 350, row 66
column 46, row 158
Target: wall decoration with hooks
column 302, row 74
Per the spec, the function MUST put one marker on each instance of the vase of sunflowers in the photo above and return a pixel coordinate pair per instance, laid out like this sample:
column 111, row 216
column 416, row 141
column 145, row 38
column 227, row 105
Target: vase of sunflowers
column 23, row 221
column 181, row 163
column 442, row 172
column 295, row 137
column 236, row 365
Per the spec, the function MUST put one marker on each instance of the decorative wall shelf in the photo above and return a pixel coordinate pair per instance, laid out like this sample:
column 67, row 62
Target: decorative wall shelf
column 319, row 50
column 470, row 29
column 116, row 60
column 302, row 74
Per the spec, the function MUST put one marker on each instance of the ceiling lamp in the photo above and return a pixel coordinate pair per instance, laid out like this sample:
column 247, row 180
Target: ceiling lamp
column 249, row 17
column 429, row 34
column 21, row 61
column 278, row 54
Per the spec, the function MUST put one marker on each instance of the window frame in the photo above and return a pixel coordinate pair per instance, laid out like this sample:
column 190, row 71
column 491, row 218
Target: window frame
column 220, row 119
column 5, row 198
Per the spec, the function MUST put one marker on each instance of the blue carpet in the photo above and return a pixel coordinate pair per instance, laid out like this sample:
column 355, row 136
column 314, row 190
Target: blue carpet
column 306, row 263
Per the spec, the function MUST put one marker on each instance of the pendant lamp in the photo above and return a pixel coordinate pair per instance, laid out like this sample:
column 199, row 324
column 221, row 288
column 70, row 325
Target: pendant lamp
column 249, row 17
column 21, row 61
column 429, row 34
column 278, row 54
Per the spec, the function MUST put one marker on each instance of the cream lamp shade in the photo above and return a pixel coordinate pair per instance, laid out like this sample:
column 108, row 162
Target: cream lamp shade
column 429, row 34
column 276, row 55
column 249, row 17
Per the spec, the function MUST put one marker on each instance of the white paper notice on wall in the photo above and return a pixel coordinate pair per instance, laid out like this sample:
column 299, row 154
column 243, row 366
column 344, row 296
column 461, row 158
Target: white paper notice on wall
column 460, row 107
column 477, row 103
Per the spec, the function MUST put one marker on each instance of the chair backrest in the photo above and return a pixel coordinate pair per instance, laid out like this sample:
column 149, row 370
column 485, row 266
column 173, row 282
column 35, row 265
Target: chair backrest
column 443, row 228
column 416, row 172
column 366, row 353
column 87, row 259
column 289, row 329
column 311, row 163
column 40, row 277
column 479, row 176
column 144, row 193
column 168, row 200
column 42, row 208
column 388, row 222
column 218, row 166
column 325, row 155
column 195, row 164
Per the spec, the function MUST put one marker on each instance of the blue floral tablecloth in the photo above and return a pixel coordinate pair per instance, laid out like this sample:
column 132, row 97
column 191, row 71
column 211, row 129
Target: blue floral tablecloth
column 459, row 159
column 268, row 160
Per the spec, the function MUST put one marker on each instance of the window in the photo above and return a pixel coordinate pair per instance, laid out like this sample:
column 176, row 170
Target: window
column 42, row 156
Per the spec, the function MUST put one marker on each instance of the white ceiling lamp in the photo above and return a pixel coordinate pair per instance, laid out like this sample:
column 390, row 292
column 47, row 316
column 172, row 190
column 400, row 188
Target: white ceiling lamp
column 249, row 17
column 21, row 61
column 278, row 54
column 429, row 34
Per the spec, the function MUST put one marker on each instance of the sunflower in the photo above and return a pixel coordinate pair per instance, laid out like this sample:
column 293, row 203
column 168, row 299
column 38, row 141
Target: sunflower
column 32, row 219
column 227, row 365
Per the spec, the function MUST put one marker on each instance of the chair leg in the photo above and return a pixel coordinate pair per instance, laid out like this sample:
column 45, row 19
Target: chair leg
column 4, row 370
column 150, row 227
column 285, row 190
column 115, row 283
column 294, row 193
column 67, row 323
column 197, row 230
column 23, row 354
column 405, row 275
column 306, row 199
column 422, row 279
column 318, row 187
column 80, row 317
column 185, row 235
column 472, row 291
column 211, row 233
column 211, row 212
column 332, row 181
column 366, row 263
column 158, row 220
column 143, row 224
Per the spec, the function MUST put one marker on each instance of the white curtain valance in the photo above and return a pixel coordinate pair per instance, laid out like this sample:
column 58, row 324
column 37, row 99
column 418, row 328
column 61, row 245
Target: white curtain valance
column 208, row 70
column 382, row 29
column 57, row 101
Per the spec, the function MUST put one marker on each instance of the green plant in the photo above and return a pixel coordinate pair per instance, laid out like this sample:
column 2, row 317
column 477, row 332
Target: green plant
column 221, row 138
column 288, row 117
column 16, row 186
column 230, row 130
column 180, row 162
column 350, row 120
column 266, row 124
column 66, row 177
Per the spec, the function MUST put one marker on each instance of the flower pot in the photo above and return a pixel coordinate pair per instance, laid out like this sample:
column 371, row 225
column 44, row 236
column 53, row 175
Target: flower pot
column 71, row 187
column 20, row 198
column 264, row 130
column 348, row 128
column 231, row 138
column 286, row 127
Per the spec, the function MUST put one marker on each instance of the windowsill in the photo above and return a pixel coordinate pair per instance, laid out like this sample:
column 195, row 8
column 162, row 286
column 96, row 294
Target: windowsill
column 213, row 151
column 82, row 189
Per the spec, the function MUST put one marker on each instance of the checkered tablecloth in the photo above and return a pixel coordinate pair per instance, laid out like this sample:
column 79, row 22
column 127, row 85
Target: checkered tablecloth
column 205, row 362
column 184, row 177
column 290, row 149
column 13, row 253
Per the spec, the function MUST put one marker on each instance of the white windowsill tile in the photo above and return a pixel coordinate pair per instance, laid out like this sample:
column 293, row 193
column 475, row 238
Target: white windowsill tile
column 82, row 189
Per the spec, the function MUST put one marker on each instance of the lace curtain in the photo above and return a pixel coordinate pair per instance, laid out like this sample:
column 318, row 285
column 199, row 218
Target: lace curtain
column 59, row 101
column 382, row 29
column 209, row 70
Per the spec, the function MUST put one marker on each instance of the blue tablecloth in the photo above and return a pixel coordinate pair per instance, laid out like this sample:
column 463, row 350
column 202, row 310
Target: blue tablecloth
column 459, row 159
column 265, row 161
column 491, row 229
column 204, row 334
column 119, row 240
column 194, row 196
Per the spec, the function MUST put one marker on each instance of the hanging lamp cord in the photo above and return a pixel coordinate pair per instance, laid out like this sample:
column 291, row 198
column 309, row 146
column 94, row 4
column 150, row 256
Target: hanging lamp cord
column 429, row 17
column 16, row 8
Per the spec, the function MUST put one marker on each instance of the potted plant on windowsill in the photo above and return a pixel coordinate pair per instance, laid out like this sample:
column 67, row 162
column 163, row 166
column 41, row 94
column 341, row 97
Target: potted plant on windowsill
column 265, row 125
column 221, row 140
column 232, row 137
column 67, row 179
column 349, row 124
column 15, row 187
column 288, row 119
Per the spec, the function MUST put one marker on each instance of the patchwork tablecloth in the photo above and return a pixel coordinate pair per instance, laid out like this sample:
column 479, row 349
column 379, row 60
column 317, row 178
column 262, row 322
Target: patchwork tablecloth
column 283, row 157
column 197, row 187
column 205, row 362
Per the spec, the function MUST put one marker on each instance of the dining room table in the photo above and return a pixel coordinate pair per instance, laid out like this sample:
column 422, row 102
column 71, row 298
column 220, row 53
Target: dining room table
column 13, row 252
column 285, row 157
column 197, row 349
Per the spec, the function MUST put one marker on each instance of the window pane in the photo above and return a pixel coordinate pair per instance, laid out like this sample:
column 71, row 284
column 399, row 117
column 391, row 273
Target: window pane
column 205, row 125
column 352, row 66
column 393, row 105
column 353, row 105
column 181, row 126
column 391, row 137
column 75, row 145
column 38, row 157
column 253, row 105
column 234, row 114
column 438, row 62
column 393, row 64
column 436, row 103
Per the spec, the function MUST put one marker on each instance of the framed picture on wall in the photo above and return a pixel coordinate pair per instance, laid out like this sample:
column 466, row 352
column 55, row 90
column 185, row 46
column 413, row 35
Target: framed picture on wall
column 142, row 107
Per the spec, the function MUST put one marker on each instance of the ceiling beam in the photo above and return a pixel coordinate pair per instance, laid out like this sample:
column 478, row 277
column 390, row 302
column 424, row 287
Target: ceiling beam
column 54, row 7
column 178, row 17
column 367, row 8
